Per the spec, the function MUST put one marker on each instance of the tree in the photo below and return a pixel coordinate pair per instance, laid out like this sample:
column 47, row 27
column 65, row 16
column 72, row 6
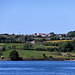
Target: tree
column 71, row 34
column 54, row 38
column 66, row 47
column 3, row 48
column 27, row 46
column 14, row 47
column 26, row 38
column 52, row 34
column 44, row 56
column 14, row 55
column 30, row 39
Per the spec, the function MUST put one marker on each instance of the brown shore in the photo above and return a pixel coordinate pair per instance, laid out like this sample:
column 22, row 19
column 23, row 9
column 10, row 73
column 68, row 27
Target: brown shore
column 55, row 59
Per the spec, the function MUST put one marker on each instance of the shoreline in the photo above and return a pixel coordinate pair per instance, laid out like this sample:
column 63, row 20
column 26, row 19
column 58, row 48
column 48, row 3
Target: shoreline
column 6, row 59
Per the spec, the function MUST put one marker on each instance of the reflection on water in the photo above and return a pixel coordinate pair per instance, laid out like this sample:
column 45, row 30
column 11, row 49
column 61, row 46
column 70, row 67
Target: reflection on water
column 37, row 68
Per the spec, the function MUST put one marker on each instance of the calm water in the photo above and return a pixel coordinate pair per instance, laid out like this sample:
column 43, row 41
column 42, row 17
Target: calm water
column 37, row 68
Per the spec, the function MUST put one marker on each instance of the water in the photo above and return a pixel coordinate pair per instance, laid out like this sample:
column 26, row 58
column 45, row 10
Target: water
column 37, row 67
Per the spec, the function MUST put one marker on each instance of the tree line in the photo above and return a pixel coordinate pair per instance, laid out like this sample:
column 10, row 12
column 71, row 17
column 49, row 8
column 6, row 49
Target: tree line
column 6, row 38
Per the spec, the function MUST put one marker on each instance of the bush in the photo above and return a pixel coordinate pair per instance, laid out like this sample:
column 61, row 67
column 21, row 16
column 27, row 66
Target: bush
column 50, row 57
column 14, row 55
column 71, row 34
column 66, row 47
column 27, row 46
column 40, row 49
column 3, row 48
column 13, row 47
column 54, row 38
column 44, row 56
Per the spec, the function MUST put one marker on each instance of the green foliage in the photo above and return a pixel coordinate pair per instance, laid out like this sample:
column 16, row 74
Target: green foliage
column 40, row 40
column 46, row 43
column 44, row 56
column 50, row 57
column 2, row 39
column 66, row 47
column 3, row 48
column 52, row 34
column 27, row 46
column 30, row 54
column 50, row 43
column 54, row 38
column 26, row 37
column 13, row 47
column 30, row 39
column 39, row 36
column 71, row 34
column 14, row 55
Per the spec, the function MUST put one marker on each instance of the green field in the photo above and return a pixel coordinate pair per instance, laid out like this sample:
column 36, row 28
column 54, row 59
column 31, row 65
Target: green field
column 28, row 54
column 58, row 41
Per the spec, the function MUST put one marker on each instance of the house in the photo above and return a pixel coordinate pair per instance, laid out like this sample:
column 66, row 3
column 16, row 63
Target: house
column 62, row 35
column 51, row 34
column 32, row 42
column 48, row 35
column 43, row 35
column 38, row 34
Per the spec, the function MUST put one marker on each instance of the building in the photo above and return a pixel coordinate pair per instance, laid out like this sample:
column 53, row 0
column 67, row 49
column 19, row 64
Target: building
column 38, row 34
column 43, row 35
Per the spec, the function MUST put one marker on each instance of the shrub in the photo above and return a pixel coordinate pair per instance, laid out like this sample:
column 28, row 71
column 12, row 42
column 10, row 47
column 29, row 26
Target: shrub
column 44, row 56
column 14, row 55
column 66, row 47
column 27, row 46
column 50, row 57
column 13, row 47
column 3, row 48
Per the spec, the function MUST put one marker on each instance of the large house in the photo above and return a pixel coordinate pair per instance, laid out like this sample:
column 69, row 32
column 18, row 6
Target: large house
column 41, row 34
column 38, row 34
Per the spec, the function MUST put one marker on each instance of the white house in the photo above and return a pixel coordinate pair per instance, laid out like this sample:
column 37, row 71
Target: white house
column 43, row 35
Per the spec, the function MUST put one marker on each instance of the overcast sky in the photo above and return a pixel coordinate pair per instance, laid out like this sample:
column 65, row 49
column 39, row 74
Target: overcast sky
column 34, row 16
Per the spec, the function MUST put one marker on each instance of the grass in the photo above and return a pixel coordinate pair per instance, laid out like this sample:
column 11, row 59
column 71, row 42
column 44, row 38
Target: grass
column 31, row 53
column 20, row 45
column 7, row 45
column 35, row 54
column 27, row 53
column 58, row 41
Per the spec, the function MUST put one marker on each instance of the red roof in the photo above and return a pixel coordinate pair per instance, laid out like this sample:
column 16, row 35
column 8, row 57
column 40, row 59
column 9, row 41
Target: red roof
column 43, row 34
column 38, row 33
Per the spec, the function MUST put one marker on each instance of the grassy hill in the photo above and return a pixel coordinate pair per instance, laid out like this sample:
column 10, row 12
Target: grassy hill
column 29, row 54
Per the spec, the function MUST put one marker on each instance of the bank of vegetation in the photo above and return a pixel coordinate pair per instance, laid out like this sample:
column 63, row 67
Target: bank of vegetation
column 31, row 47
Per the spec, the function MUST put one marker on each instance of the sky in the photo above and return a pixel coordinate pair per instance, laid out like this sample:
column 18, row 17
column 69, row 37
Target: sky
column 37, row 16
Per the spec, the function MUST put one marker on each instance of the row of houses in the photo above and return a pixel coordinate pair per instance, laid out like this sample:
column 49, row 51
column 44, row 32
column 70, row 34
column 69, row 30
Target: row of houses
column 51, row 34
